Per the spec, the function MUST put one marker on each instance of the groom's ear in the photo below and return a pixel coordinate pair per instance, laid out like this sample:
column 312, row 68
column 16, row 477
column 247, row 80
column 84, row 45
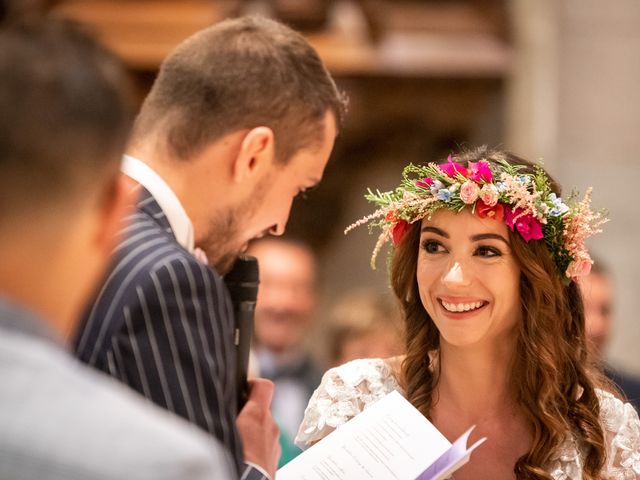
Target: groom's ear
column 255, row 155
column 118, row 199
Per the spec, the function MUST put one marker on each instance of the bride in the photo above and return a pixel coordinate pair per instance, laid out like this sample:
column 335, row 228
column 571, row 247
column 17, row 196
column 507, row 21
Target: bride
column 486, row 256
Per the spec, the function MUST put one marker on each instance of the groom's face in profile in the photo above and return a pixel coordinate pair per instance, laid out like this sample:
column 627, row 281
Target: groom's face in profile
column 266, row 211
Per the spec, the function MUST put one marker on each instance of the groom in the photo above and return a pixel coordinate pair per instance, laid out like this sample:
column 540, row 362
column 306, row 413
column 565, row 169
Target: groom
column 241, row 118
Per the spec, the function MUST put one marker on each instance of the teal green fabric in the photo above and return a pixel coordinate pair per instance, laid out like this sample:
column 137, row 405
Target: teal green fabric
column 289, row 450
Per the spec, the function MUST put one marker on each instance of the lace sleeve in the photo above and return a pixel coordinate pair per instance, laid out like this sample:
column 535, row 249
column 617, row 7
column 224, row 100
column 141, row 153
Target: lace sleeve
column 343, row 393
column 622, row 433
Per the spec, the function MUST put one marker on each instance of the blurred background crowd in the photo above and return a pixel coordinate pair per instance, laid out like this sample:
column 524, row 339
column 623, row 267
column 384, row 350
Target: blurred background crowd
column 549, row 80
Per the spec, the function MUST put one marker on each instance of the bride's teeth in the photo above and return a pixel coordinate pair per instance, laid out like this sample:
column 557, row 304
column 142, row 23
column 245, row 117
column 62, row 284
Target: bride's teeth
column 461, row 307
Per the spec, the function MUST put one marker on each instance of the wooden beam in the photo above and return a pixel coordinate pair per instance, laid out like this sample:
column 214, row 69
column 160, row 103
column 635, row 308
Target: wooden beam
column 143, row 32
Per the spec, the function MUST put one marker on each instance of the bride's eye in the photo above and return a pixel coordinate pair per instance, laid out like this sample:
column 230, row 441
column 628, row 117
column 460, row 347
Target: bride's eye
column 487, row 251
column 432, row 246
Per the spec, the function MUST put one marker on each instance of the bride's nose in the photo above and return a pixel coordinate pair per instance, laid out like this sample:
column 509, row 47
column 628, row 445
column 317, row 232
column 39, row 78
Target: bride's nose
column 456, row 276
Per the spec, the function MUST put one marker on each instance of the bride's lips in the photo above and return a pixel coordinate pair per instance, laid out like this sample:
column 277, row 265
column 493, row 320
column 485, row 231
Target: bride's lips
column 461, row 307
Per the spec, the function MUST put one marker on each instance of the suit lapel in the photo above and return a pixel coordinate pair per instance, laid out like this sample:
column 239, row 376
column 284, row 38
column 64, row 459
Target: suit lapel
column 148, row 205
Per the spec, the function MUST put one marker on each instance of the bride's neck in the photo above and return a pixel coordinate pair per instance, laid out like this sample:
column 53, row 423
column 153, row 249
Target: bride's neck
column 475, row 381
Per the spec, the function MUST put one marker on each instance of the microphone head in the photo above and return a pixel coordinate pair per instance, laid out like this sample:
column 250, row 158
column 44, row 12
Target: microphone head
column 243, row 279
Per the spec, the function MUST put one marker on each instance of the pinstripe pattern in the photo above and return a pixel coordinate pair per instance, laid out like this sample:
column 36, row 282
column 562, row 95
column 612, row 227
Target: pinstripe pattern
column 162, row 324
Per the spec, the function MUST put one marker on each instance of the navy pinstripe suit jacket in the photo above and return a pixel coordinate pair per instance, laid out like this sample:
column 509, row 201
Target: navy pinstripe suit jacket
column 162, row 323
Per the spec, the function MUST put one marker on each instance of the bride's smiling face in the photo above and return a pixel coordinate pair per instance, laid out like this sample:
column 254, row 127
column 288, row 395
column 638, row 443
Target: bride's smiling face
column 468, row 278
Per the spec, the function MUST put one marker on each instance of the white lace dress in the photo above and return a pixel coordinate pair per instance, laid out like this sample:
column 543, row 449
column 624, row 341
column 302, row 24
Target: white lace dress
column 350, row 388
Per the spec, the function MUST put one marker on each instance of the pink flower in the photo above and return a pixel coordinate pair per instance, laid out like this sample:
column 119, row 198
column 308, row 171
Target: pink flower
column 495, row 212
column 489, row 194
column 480, row 171
column 426, row 182
column 527, row 225
column 469, row 192
column 579, row 267
column 399, row 230
column 200, row 255
column 452, row 168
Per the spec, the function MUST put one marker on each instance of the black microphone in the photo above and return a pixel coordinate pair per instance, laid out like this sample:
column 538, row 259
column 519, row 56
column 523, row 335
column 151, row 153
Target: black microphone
column 242, row 282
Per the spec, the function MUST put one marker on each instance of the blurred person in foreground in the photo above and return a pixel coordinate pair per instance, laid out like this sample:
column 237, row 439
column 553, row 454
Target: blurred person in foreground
column 598, row 297
column 485, row 263
column 284, row 315
column 241, row 118
column 364, row 324
column 65, row 119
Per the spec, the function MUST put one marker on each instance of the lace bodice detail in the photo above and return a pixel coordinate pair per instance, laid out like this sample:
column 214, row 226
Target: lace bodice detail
column 344, row 392
column 348, row 389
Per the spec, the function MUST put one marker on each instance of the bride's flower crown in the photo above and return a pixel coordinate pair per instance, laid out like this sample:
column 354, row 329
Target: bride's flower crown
column 501, row 191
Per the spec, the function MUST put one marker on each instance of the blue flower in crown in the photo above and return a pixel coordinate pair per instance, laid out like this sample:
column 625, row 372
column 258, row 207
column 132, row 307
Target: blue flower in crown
column 559, row 207
column 436, row 187
column 444, row 195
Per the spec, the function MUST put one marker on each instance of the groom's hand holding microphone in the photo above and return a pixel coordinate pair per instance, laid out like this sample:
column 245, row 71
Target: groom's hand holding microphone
column 255, row 423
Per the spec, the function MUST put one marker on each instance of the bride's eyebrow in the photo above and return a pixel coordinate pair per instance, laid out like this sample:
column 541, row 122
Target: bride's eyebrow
column 489, row 236
column 435, row 230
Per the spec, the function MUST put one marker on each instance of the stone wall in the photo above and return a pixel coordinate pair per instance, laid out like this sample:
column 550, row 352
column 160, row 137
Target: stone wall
column 575, row 99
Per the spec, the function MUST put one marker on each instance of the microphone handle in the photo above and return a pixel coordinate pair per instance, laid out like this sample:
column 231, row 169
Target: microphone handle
column 244, row 313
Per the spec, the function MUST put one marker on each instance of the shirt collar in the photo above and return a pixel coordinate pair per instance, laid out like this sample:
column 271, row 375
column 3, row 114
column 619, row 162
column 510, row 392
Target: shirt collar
column 166, row 198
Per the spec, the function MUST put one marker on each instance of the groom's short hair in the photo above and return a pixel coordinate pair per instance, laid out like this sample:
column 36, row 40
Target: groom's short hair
column 65, row 115
column 238, row 74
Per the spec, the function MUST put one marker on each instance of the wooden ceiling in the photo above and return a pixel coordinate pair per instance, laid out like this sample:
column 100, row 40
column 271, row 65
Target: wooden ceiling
column 402, row 39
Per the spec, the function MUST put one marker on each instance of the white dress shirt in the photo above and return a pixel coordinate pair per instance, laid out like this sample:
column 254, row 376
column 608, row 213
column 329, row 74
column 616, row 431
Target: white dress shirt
column 166, row 198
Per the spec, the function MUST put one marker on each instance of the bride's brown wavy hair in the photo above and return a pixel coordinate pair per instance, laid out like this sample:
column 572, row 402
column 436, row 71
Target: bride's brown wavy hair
column 551, row 376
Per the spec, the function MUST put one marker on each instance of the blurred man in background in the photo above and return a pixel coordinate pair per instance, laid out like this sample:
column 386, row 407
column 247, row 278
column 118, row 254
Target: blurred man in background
column 64, row 121
column 598, row 297
column 284, row 315
column 364, row 323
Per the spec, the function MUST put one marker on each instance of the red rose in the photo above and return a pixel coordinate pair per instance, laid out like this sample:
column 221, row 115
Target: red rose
column 399, row 230
column 485, row 211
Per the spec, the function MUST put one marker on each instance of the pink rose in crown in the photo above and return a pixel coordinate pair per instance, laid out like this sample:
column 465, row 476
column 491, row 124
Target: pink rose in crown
column 469, row 192
column 496, row 212
column 399, row 230
column 426, row 182
column 480, row 171
column 527, row 225
column 452, row 168
column 489, row 194
column 580, row 267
